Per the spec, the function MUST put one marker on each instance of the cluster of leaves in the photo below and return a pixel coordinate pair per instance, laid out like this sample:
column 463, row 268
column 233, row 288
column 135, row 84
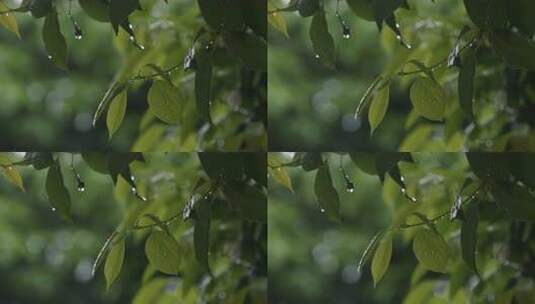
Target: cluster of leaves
column 485, row 250
column 224, row 59
column 220, row 245
column 491, row 54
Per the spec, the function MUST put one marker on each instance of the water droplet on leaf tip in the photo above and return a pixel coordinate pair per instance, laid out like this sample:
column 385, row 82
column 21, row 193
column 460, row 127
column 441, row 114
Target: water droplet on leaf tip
column 53, row 209
column 322, row 210
column 49, row 57
column 317, row 56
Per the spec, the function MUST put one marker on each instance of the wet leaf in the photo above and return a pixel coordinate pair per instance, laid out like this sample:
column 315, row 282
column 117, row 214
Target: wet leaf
column 322, row 41
column 469, row 235
column 326, row 193
column 383, row 9
column 379, row 107
column 431, row 250
column 163, row 252
column 487, row 13
column 116, row 113
column 57, row 192
column 428, row 98
column 13, row 176
column 55, row 43
column 114, row 262
column 362, row 8
column 381, row 258
column 222, row 166
column 164, row 101
column 466, row 82
column 517, row 200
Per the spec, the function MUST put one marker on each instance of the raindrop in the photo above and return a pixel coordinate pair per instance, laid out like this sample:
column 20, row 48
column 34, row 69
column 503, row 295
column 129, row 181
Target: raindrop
column 322, row 210
column 135, row 43
column 346, row 33
column 78, row 35
column 49, row 57
column 81, row 186
column 350, row 187
column 317, row 56
column 53, row 209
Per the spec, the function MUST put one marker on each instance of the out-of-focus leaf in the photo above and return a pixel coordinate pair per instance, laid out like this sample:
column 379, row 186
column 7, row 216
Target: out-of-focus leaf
column 381, row 258
column 277, row 20
column 431, row 250
column 250, row 202
column 517, row 51
column 254, row 165
column 222, row 14
column 326, row 193
column 222, row 166
column 520, row 14
column 40, row 8
column 97, row 161
column 322, row 41
column 365, row 161
column 13, row 175
column 428, row 98
column 308, row 7
column 517, row 200
column 383, row 9
column 116, row 113
column 487, row 13
column 151, row 291
column 114, row 262
column 255, row 15
column 163, row 252
column 55, row 43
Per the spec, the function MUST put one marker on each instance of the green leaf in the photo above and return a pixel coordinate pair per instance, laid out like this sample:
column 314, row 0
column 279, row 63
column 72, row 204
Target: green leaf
column 381, row 258
column 203, row 83
column 222, row 166
column 277, row 20
column 469, row 235
column 383, row 9
column 57, row 193
column 362, row 8
column 116, row 113
column 466, row 82
column 326, row 193
column 255, row 16
column 39, row 160
column 308, row 8
column 322, row 41
column 428, row 98
column 310, row 160
column 40, row 8
column 55, row 43
column 365, row 161
column 521, row 15
column 201, row 233
column 370, row 248
column 277, row 172
column 420, row 293
column 222, row 14
column 516, row 50
column 151, row 291
column 114, row 262
column 115, row 89
column 431, row 250
column 250, row 201
column 163, row 252
column 97, row 161
column 96, row 9
column 119, row 11
column 517, row 200
column 378, row 107
column 487, row 13
column 164, row 101
column 13, row 176
column 251, row 50
column 254, row 165
column 8, row 20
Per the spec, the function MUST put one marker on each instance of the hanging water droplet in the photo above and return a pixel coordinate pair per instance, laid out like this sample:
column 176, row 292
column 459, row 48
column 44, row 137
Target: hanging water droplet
column 81, row 186
column 49, row 57
column 77, row 31
column 346, row 33
column 317, row 56
column 322, row 210
column 53, row 209
column 350, row 187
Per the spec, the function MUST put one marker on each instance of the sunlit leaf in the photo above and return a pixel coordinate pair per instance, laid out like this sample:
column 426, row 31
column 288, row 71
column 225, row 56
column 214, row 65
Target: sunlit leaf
column 487, row 13
column 431, row 250
column 163, row 252
column 165, row 101
column 308, row 7
column 517, row 200
column 116, row 113
column 381, row 258
column 13, row 175
column 114, row 262
column 40, row 8
column 277, row 20
column 8, row 20
column 466, row 82
column 250, row 202
column 428, row 98
column 278, row 172
column 378, row 107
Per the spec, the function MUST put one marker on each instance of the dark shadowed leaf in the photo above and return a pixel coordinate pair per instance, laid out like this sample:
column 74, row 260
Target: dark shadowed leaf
column 516, row 50
column 378, row 107
column 57, row 193
column 322, row 41
column 308, row 7
column 466, row 82
column 55, row 43
column 222, row 166
column 250, row 202
column 250, row 49
column 203, row 83
column 326, row 193
column 40, row 8
column 487, row 13
column 469, row 235
column 201, row 235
